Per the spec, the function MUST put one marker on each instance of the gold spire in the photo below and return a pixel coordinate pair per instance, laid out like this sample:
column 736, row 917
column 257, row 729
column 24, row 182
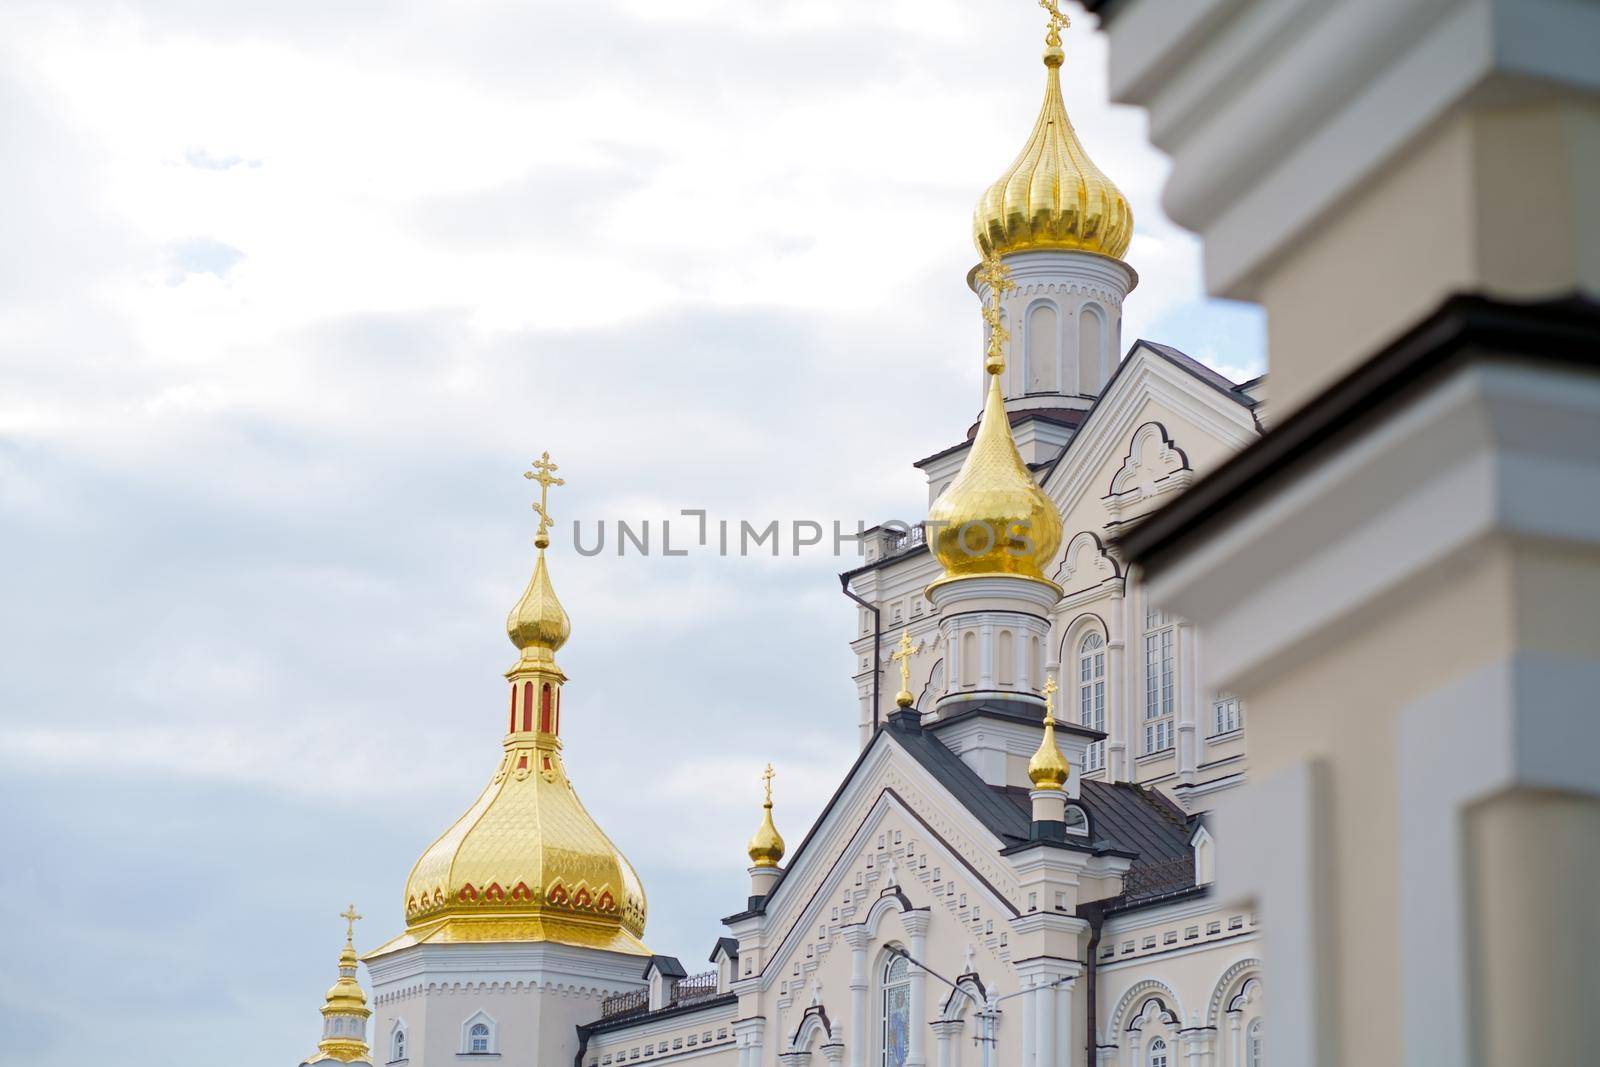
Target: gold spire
column 1053, row 196
column 766, row 847
column 344, row 1010
column 1048, row 769
column 527, row 862
column 902, row 654
column 993, row 518
column 538, row 625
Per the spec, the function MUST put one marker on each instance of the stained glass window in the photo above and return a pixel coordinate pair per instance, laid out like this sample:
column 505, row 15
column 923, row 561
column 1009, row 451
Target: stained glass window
column 896, row 1012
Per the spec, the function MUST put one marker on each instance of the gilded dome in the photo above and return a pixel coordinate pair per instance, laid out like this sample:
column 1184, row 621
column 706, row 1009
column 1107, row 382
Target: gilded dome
column 766, row 847
column 994, row 518
column 1053, row 196
column 1048, row 768
column 527, row 862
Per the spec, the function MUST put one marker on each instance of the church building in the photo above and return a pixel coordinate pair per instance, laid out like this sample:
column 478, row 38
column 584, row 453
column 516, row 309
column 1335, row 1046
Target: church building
column 1017, row 867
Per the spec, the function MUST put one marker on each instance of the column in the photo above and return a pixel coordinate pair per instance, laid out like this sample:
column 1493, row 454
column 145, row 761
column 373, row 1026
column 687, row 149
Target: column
column 1028, row 1024
column 1116, row 657
column 916, row 925
column 856, row 937
column 1064, row 1016
column 1044, row 1017
column 1235, row 1039
column 1133, row 1048
column 986, row 656
column 1188, row 699
column 947, row 1034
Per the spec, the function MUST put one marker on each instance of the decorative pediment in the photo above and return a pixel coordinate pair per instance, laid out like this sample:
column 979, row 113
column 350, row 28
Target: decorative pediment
column 1154, row 465
column 1086, row 563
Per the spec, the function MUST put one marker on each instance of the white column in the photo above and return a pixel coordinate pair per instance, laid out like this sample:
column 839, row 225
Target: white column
column 1129, row 708
column 1028, row 1025
column 1044, row 1016
column 1133, row 1048
column 1064, row 1024
column 916, row 925
column 986, row 656
column 856, row 936
column 1188, row 698
column 1235, row 1041
column 948, row 1042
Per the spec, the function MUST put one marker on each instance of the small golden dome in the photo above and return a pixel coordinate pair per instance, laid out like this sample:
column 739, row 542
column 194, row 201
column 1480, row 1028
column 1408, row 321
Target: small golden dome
column 344, row 1042
column 1053, row 196
column 994, row 518
column 1048, row 769
column 538, row 622
column 766, row 847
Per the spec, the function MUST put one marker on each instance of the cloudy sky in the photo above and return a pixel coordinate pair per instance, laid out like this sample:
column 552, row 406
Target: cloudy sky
column 290, row 295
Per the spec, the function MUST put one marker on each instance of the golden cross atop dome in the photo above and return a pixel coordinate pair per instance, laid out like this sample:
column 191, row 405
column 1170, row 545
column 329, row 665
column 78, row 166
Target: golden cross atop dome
column 349, row 916
column 544, row 473
column 1058, row 22
column 766, row 779
column 902, row 655
column 1050, row 690
column 997, row 276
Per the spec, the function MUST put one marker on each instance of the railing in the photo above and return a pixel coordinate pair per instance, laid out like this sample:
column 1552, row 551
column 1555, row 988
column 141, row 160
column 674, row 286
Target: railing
column 917, row 535
column 695, row 987
column 689, row 990
column 625, row 1003
column 1146, row 880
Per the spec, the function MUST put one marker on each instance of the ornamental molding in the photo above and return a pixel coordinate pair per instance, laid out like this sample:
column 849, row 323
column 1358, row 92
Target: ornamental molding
column 1125, row 1015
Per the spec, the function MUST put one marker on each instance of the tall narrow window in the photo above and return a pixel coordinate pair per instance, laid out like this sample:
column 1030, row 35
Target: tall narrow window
column 527, row 705
column 397, row 1046
column 969, row 658
column 1252, row 1044
column 1043, row 349
column 1091, row 351
column 1006, row 653
column 1158, row 1053
column 544, row 708
column 896, row 1012
column 1092, row 694
column 478, row 1038
column 1160, row 696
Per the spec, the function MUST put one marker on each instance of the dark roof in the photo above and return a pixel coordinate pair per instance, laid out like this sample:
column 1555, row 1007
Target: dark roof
column 1104, row 8
column 667, row 965
column 998, row 814
column 1071, row 418
column 1464, row 328
column 730, row 945
column 627, row 1019
column 1021, row 711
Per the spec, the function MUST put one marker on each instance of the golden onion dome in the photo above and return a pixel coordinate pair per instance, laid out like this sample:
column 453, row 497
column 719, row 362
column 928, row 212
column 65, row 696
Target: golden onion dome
column 766, row 847
column 1053, row 196
column 538, row 623
column 345, row 1042
column 993, row 518
column 527, row 862
column 1048, row 769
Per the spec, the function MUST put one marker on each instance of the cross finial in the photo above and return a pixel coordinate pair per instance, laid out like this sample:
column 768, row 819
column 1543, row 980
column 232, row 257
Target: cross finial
column 1050, row 690
column 997, row 276
column 544, row 473
column 766, row 780
column 1058, row 22
column 349, row 916
column 902, row 655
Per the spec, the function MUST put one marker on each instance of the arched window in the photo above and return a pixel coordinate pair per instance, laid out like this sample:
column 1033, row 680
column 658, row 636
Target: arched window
column 969, row 658
column 1092, row 694
column 1091, row 350
column 896, row 1011
column 478, row 1038
column 1252, row 1044
column 1006, row 653
column 1158, row 1053
column 397, row 1045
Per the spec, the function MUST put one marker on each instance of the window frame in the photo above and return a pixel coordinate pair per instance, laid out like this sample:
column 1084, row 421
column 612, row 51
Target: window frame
column 1092, row 679
column 1160, row 649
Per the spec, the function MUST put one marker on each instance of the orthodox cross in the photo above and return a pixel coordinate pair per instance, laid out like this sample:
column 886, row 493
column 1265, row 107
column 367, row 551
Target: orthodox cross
column 766, row 779
column 1058, row 22
column 902, row 655
column 1050, row 691
column 997, row 276
column 544, row 473
column 349, row 916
